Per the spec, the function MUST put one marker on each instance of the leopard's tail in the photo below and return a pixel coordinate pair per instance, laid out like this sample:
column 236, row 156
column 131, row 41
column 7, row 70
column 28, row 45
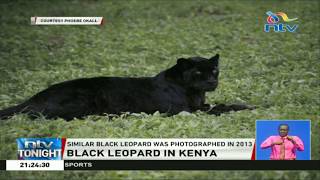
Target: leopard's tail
column 8, row 112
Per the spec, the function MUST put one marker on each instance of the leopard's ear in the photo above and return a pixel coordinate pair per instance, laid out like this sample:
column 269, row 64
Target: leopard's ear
column 181, row 60
column 176, row 72
column 215, row 60
column 184, row 63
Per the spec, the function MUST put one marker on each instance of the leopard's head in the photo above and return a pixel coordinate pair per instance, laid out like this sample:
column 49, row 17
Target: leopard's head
column 196, row 73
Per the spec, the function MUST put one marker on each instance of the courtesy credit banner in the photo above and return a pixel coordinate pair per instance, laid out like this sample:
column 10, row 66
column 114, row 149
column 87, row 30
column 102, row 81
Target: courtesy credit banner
column 66, row 20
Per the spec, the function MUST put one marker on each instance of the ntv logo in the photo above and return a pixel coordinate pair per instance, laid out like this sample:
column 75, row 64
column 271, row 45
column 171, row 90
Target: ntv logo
column 38, row 144
column 39, row 148
column 273, row 20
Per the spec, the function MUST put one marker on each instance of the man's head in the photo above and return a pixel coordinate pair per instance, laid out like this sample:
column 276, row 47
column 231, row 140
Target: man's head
column 196, row 73
column 283, row 130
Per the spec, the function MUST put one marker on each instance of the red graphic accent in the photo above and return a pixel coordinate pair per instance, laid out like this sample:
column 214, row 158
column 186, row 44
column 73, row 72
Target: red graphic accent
column 253, row 155
column 270, row 20
column 63, row 141
column 102, row 21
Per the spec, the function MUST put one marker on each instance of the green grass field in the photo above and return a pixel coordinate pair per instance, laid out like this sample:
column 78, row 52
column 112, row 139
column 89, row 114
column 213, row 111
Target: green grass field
column 278, row 72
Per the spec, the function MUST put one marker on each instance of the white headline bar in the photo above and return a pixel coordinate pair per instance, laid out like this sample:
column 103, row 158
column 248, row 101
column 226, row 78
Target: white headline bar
column 158, row 149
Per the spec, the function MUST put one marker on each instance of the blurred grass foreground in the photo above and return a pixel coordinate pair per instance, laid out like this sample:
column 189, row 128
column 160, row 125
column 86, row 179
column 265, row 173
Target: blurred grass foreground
column 278, row 72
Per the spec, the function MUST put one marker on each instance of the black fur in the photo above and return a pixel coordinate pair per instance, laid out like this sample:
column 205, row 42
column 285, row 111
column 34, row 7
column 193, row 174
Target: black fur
column 179, row 88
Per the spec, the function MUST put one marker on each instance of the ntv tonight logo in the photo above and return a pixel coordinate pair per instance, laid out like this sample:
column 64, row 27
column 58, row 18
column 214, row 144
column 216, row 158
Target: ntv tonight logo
column 273, row 20
column 39, row 148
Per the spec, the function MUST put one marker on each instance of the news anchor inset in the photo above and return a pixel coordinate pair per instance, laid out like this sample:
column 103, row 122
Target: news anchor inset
column 283, row 146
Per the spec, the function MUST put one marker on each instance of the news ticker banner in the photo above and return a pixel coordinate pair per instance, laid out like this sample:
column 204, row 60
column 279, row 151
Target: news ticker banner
column 67, row 20
column 140, row 154
column 134, row 149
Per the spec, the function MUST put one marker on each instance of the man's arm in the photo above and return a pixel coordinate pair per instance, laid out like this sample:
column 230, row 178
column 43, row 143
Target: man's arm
column 266, row 143
column 297, row 142
column 269, row 142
